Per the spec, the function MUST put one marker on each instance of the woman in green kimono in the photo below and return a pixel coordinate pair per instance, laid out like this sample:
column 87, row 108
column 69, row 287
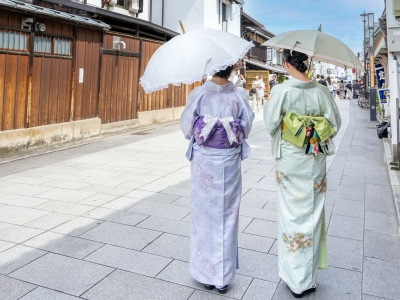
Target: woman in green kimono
column 301, row 116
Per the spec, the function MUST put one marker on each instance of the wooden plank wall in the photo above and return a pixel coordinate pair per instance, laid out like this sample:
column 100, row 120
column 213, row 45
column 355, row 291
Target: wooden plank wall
column 51, row 82
column 88, row 58
column 13, row 80
column 118, row 88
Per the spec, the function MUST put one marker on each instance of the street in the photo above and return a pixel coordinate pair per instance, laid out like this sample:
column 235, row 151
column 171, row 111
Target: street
column 110, row 220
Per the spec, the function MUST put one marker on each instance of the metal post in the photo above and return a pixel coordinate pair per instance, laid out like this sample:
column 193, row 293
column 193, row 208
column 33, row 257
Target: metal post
column 372, row 104
column 364, row 16
column 397, row 125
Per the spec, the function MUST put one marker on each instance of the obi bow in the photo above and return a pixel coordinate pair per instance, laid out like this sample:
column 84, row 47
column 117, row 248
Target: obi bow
column 210, row 124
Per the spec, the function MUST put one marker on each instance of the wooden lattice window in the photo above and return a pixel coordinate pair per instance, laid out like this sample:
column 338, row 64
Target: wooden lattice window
column 13, row 40
column 52, row 45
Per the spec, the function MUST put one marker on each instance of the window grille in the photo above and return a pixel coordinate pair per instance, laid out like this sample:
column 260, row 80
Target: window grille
column 62, row 46
column 42, row 44
column 13, row 40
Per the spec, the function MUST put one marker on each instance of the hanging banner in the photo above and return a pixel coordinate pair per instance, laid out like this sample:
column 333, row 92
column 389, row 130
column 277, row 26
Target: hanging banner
column 380, row 76
column 384, row 95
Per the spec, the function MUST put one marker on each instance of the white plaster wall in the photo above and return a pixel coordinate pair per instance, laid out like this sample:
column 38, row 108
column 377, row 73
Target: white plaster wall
column 189, row 12
column 213, row 20
column 96, row 3
column 156, row 16
column 145, row 15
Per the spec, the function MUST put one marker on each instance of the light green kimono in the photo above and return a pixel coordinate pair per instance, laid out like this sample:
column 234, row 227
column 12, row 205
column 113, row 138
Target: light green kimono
column 301, row 182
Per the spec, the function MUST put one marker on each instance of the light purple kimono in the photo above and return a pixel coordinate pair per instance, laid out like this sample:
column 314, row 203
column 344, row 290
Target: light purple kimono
column 217, row 120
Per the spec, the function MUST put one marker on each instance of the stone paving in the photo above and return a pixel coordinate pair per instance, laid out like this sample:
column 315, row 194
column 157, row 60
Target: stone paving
column 110, row 220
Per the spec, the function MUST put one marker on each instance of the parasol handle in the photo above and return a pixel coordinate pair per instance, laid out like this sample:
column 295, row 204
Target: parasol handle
column 183, row 29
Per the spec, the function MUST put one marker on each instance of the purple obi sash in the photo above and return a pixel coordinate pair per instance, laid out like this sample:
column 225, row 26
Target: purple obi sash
column 218, row 133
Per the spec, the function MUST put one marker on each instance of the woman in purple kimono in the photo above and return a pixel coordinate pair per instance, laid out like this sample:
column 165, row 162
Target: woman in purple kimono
column 217, row 119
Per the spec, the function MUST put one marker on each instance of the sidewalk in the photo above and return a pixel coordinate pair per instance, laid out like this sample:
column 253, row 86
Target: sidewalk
column 110, row 220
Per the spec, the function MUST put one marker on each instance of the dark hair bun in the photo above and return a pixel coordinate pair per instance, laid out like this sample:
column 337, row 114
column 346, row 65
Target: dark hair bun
column 296, row 59
column 224, row 73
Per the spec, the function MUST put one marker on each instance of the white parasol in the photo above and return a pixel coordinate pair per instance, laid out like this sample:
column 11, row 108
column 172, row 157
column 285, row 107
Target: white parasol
column 189, row 57
column 318, row 46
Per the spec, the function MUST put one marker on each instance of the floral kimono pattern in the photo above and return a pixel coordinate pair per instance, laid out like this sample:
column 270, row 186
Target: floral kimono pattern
column 301, row 180
column 217, row 120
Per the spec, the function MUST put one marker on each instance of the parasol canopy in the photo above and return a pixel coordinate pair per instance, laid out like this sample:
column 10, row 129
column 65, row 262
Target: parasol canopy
column 190, row 57
column 318, row 46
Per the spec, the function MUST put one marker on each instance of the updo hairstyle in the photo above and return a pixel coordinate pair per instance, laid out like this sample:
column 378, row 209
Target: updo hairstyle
column 296, row 59
column 224, row 73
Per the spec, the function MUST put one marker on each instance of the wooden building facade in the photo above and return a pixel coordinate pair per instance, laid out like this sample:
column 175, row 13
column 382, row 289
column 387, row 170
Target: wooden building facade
column 57, row 66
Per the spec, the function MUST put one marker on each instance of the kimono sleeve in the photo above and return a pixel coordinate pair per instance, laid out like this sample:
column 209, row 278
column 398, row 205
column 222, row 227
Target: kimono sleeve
column 332, row 114
column 190, row 113
column 273, row 109
column 246, row 115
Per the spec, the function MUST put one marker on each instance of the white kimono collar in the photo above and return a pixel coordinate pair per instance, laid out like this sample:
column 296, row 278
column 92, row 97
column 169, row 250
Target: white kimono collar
column 226, row 88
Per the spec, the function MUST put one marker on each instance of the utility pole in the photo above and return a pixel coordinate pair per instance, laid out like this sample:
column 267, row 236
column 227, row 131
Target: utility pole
column 364, row 19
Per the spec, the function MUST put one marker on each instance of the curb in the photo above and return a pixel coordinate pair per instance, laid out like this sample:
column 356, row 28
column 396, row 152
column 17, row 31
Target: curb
column 394, row 180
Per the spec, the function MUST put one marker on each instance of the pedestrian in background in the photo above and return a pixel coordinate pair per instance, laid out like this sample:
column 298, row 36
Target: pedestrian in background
column 356, row 90
column 342, row 89
column 301, row 178
column 273, row 82
column 241, row 82
column 217, row 119
column 334, row 89
column 259, row 86
column 323, row 81
column 330, row 86
column 349, row 90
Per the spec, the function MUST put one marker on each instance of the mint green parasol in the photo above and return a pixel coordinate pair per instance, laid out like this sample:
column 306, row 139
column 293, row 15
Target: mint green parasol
column 318, row 46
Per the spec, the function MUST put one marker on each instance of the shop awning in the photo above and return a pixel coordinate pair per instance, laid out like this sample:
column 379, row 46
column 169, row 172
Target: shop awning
column 259, row 65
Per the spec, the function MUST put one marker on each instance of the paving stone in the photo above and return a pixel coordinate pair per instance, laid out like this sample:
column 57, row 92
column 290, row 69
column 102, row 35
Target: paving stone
column 99, row 173
column 116, row 216
column 12, row 289
column 76, row 226
column 378, row 179
column 121, row 285
column 20, row 215
column 65, row 207
column 102, row 181
column 374, row 190
column 49, row 221
column 345, row 253
column 129, row 260
column 381, row 222
column 122, row 203
column 65, row 195
column 16, row 233
column 169, row 211
column 177, row 191
column 243, row 222
column 177, row 272
column 260, row 290
column 171, row 246
column 121, row 235
column 349, row 208
column 166, row 225
column 378, row 204
column 150, row 187
column 351, row 193
column 71, row 185
column 383, row 246
column 28, row 180
column 153, row 196
column 258, row 265
column 258, row 213
column 369, row 297
column 346, row 227
column 24, row 201
column 16, row 257
column 6, row 245
column 131, row 185
column 98, row 199
column 63, row 244
column 109, row 190
column 66, row 177
column 144, row 178
column 274, row 248
column 254, row 242
column 347, row 285
column 46, row 294
column 330, row 197
column 333, row 184
column 263, row 228
column 24, row 189
column 62, row 273
column 381, row 278
column 184, row 201
column 352, row 181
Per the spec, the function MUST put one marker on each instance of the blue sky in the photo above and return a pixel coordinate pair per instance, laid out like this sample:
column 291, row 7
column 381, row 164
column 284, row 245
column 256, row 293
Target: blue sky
column 340, row 18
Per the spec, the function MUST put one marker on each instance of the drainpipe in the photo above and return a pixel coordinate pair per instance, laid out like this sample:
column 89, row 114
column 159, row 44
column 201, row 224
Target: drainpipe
column 394, row 93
